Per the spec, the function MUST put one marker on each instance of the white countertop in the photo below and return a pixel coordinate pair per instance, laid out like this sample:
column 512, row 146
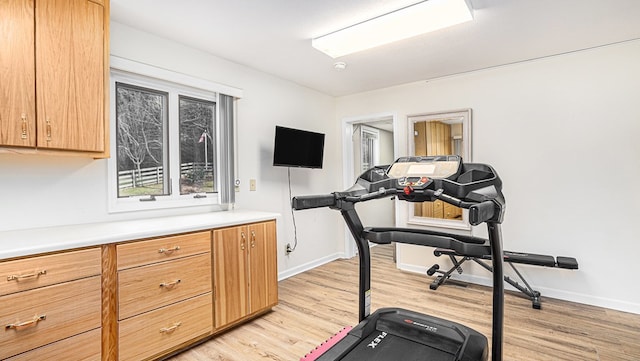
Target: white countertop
column 41, row 240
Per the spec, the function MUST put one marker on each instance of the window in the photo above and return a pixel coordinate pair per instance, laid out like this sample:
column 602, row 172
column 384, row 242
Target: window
column 370, row 150
column 141, row 141
column 197, row 145
column 168, row 139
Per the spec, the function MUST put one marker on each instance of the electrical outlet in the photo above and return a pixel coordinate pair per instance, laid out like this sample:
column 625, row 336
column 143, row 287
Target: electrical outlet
column 288, row 250
column 252, row 184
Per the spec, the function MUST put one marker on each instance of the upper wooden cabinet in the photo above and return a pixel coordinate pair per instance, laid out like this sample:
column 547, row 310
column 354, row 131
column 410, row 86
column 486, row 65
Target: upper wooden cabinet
column 71, row 40
column 18, row 74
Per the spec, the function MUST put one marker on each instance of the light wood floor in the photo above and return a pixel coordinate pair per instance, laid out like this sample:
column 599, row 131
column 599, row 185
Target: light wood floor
column 318, row 303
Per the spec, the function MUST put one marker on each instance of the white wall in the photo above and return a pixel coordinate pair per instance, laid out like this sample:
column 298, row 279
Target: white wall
column 562, row 132
column 39, row 191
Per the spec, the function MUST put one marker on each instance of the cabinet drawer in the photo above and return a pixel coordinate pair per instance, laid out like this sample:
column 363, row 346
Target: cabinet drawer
column 29, row 273
column 160, row 330
column 161, row 249
column 144, row 288
column 38, row 317
column 83, row 347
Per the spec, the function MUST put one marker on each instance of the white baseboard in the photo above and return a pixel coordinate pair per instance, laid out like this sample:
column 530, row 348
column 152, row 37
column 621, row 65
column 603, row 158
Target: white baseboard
column 309, row 265
column 545, row 292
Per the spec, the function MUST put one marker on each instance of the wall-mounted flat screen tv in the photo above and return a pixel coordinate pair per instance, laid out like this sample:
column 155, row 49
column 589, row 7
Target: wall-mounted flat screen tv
column 298, row 148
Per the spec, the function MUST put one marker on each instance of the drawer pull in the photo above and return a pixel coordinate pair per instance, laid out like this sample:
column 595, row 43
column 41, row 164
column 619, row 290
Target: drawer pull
column 26, row 324
column 48, row 130
column 30, row 275
column 169, row 250
column 23, row 135
column 169, row 284
column 170, row 329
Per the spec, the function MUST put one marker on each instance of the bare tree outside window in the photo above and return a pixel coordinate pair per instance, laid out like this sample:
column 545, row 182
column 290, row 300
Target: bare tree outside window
column 197, row 146
column 140, row 131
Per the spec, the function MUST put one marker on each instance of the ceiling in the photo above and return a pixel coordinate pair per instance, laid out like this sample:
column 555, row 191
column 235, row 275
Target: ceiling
column 274, row 36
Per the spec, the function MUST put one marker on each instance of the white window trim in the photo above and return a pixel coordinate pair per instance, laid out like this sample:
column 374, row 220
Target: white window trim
column 130, row 72
column 145, row 70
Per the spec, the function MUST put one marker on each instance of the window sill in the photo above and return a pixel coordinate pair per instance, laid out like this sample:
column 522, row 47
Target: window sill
column 135, row 204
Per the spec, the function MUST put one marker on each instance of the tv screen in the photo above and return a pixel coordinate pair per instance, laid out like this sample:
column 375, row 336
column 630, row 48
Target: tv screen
column 298, row 148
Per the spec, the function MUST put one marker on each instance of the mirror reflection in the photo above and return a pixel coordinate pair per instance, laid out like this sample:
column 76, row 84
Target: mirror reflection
column 440, row 134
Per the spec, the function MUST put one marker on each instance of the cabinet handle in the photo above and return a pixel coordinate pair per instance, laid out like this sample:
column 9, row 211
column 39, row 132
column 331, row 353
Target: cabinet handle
column 244, row 240
column 24, row 126
column 26, row 324
column 36, row 274
column 253, row 239
column 170, row 329
column 169, row 285
column 169, row 251
column 48, row 130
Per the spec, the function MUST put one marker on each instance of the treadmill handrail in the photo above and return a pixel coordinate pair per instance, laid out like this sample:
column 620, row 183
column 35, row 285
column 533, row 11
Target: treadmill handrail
column 421, row 238
column 459, row 237
column 313, row 201
column 331, row 200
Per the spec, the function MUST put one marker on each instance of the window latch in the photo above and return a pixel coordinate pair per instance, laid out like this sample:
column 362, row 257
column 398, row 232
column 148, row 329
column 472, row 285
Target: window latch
column 200, row 196
column 151, row 198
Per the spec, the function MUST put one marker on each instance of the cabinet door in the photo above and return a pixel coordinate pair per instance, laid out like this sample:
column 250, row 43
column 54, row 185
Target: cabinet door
column 263, row 278
column 17, row 71
column 70, row 66
column 230, row 276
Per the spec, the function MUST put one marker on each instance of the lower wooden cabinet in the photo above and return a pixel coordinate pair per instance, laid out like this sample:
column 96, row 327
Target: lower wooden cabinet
column 165, row 300
column 163, row 329
column 37, row 317
column 244, row 271
column 47, row 301
column 82, row 347
column 138, row 300
column 39, row 271
column 146, row 288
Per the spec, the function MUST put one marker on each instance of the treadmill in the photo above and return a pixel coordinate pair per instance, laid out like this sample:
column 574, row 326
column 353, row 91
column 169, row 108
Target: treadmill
column 397, row 334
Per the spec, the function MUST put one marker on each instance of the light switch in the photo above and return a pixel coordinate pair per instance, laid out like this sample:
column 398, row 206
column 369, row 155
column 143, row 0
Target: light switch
column 252, row 184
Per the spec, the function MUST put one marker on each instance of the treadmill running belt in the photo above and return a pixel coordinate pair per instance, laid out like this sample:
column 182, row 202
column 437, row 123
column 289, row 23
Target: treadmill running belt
column 382, row 346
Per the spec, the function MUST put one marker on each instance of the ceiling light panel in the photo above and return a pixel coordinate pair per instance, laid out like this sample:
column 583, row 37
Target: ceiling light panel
column 420, row 18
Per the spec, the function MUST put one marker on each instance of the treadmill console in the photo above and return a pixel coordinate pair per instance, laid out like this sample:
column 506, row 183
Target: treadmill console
column 413, row 175
column 415, row 179
column 417, row 172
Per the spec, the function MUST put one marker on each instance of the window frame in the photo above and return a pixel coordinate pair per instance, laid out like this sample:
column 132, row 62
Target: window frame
column 215, row 150
column 166, row 184
column 176, row 85
column 375, row 149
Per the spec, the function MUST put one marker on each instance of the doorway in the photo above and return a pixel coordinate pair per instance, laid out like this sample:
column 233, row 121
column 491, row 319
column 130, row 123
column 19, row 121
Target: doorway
column 368, row 141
